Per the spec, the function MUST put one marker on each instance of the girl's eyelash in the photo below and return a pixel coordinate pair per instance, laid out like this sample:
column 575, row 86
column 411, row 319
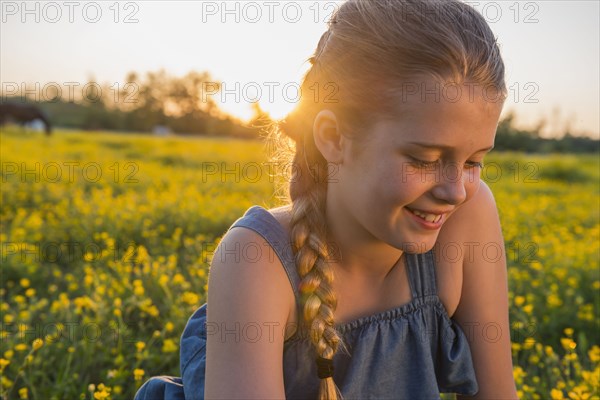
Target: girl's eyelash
column 476, row 164
column 424, row 164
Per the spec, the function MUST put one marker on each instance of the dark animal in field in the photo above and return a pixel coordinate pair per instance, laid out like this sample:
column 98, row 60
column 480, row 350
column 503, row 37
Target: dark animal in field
column 23, row 114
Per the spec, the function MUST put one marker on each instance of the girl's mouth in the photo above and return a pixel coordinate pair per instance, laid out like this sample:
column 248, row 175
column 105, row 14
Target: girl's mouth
column 428, row 221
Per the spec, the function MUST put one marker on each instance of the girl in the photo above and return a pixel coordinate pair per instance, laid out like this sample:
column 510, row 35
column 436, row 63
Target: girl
column 389, row 279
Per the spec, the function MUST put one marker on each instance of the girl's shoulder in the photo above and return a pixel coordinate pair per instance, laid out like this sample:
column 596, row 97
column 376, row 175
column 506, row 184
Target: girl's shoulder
column 283, row 215
column 465, row 224
column 465, row 238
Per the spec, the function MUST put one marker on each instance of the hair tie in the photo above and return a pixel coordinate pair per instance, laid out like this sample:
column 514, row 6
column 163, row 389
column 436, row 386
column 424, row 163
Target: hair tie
column 324, row 367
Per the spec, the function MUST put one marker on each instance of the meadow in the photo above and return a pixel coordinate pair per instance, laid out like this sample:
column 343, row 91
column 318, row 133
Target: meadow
column 106, row 241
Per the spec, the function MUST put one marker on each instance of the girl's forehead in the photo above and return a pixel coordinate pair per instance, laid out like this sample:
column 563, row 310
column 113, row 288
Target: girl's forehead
column 450, row 125
column 412, row 95
column 434, row 109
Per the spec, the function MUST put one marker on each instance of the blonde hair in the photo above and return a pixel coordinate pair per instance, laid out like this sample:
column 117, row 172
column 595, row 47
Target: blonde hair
column 370, row 49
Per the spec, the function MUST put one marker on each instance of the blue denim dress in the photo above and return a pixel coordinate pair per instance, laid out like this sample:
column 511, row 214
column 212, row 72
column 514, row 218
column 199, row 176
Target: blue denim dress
column 414, row 351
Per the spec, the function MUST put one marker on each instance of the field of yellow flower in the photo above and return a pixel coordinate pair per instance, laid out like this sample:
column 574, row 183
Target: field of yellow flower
column 106, row 241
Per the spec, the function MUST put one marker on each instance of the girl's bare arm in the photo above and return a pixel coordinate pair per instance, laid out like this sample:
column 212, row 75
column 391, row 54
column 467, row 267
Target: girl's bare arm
column 248, row 307
column 483, row 308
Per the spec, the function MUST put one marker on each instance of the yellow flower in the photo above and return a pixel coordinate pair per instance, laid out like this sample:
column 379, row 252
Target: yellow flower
column 561, row 384
column 592, row 377
column 25, row 283
column 3, row 363
column 568, row 343
column 579, row 393
column 534, row 359
column 140, row 346
column 519, row 374
column 169, row 326
column 519, row 300
column 102, row 395
column 30, row 292
column 594, row 353
column 21, row 347
column 151, row 310
column 142, row 254
column 163, row 279
column 556, row 394
column 529, row 343
column 169, row 346
column 536, row 265
column 23, row 393
column 569, row 332
column 554, row 301
column 37, row 344
column 138, row 374
column 88, row 280
column 528, row 308
column 178, row 278
column 190, row 298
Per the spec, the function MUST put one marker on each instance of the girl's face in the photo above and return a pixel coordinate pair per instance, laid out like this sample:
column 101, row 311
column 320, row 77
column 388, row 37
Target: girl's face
column 425, row 159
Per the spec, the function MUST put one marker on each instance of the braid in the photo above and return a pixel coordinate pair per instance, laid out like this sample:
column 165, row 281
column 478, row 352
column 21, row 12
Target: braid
column 319, row 302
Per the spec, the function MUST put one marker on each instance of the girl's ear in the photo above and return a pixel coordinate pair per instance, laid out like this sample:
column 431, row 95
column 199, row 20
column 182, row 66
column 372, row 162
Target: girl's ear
column 328, row 139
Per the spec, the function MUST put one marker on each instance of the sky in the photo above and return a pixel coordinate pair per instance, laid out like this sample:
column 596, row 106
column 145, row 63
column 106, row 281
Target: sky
column 258, row 50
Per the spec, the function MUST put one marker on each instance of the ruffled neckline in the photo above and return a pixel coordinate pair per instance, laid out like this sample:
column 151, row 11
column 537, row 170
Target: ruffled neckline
column 395, row 313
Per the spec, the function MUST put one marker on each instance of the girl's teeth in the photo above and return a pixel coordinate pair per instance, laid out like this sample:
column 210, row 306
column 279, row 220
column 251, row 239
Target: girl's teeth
column 427, row 217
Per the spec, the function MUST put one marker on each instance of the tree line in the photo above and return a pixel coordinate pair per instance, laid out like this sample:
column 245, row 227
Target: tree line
column 185, row 105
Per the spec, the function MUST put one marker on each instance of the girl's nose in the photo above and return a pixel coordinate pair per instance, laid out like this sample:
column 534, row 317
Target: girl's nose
column 450, row 186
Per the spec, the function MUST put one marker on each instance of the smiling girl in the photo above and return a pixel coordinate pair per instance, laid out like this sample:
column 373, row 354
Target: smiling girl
column 384, row 284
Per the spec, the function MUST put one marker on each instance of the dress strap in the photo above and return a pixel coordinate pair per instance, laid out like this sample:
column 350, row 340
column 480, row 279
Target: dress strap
column 264, row 223
column 421, row 273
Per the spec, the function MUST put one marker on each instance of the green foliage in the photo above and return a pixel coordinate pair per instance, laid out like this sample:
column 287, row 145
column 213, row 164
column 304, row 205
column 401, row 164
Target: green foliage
column 183, row 104
column 509, row 138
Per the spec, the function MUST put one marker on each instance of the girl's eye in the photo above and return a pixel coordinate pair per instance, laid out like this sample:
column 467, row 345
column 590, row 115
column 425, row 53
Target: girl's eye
column 431, row 164
column 423, row 164
column 475, row 164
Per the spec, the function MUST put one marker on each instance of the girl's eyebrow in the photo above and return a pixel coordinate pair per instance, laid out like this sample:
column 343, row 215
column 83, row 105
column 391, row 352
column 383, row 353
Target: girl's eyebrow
column 441, row 146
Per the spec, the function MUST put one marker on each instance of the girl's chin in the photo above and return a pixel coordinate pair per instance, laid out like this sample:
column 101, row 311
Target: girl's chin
column 417, row 244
